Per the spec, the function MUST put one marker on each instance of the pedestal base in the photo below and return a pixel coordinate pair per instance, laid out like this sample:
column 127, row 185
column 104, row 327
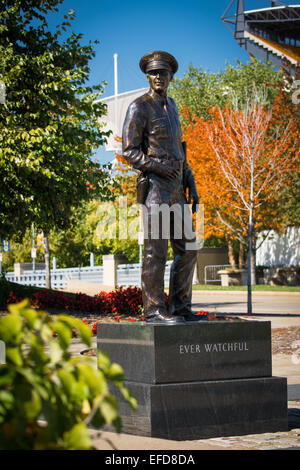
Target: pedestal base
column 196, row 381
column 201, row 410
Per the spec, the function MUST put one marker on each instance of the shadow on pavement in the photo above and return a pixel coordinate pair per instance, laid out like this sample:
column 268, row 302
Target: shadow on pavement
column 293, row 418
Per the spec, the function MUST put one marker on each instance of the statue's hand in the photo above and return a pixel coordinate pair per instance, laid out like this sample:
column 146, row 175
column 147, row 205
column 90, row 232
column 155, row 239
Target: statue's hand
column 165, row 170
column 193, row 198
column 169, row 172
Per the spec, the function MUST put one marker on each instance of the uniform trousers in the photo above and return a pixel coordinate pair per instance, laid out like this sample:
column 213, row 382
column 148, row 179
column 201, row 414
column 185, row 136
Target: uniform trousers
column 166, row 216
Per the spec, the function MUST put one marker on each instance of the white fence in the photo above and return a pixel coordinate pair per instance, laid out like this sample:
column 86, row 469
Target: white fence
column 211, row 273
column 59, row 277
column 130, row 274
column 127, row 275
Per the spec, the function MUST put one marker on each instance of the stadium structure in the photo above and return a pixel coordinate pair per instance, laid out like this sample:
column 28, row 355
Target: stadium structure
column 271, row 33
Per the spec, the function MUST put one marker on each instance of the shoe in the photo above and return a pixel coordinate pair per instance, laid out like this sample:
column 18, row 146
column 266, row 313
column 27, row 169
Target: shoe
column 165, row 318
column 192, row 317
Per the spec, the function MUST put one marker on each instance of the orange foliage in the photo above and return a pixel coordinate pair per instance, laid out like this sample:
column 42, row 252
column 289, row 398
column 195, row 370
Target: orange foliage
column 126, row 177
column 240, row 159
column 210, row 181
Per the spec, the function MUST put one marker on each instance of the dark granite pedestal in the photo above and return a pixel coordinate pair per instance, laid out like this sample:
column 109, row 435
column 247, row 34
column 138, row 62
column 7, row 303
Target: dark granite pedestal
column 197, row 380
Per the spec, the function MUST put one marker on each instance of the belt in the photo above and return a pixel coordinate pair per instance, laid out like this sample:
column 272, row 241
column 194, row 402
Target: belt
column 168, row 160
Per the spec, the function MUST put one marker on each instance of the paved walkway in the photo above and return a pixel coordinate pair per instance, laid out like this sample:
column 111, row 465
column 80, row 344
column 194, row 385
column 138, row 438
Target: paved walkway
column 269, row 441
column 236, row 302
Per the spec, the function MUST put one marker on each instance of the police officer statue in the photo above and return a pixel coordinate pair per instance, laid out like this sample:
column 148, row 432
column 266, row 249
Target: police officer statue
column 152, row 144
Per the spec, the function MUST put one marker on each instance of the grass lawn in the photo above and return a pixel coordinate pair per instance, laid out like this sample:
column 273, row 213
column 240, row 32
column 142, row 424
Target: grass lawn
column 261, row 288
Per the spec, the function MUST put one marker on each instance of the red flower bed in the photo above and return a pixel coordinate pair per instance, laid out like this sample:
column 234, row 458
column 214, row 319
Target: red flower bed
column 73, row 303
column 202, row 313
column 125, row 301
column 121, row 301
column 13, row 299
column 205, row 313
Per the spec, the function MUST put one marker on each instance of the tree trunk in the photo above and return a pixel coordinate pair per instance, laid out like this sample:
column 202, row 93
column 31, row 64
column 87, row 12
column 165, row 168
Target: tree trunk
column 241, row 255
column 231, row 252
column 250, row 260
column 253, row 273
column 47, row 261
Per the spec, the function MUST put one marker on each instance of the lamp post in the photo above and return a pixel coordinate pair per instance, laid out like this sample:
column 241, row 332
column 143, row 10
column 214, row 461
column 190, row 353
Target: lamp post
column 33, row 250
column 2, row 92
column 0, row 258
column 141, row 242
column 2, row 101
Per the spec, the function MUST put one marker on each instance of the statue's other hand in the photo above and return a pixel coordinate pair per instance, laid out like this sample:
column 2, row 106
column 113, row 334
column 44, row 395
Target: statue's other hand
column 165, row 170
column 193, row 199
column 170, row 172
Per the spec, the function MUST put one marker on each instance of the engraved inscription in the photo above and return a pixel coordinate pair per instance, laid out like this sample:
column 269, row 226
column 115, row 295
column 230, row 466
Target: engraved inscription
column 189, row 348
column 213, row 347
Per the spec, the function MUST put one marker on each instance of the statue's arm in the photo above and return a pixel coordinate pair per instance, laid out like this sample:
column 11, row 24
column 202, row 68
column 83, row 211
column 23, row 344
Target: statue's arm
column 132, row 144
column 191, row 185
column 132, row 139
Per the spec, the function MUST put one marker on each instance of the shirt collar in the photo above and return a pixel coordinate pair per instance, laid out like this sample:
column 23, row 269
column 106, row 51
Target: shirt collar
column 158, row 98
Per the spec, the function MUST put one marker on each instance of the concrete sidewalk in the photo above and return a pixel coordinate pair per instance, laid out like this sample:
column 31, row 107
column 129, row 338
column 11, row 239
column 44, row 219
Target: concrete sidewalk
column 281, row 309
column 268, row 441
column 263, row 303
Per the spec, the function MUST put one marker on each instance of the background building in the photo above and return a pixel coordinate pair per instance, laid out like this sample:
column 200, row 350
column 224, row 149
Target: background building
column 268, row 33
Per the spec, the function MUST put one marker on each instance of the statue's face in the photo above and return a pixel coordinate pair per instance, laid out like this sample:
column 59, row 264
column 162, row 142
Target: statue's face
column 159, row 80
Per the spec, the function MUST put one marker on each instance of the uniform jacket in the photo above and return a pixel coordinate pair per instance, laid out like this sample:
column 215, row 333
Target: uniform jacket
column 152, row 130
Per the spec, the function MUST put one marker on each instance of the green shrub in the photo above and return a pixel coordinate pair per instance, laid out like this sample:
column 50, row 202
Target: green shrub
column 47, row 397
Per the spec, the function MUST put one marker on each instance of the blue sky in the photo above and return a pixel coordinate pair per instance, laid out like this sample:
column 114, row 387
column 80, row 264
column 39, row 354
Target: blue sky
column 191, row 30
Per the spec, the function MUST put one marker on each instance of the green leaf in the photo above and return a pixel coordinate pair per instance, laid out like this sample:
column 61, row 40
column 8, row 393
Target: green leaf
column 67, row 380
column 103, row 361
column 109, row 408
column 14, row 356
column 93, row 378
column 64, row 334
column 115, row 372
column 76, row 390
column 78, row 438
column 83, row 329
column 117, row 424
column 46, row 333
column 19, row 308
column 127, row 394
column 35, row 381
column 30, row 316
column 38, row 355
column 10, row 328
column 32, row 407
column 7, row 376
column 7, row 399
column 55, row 352
column 84, row 333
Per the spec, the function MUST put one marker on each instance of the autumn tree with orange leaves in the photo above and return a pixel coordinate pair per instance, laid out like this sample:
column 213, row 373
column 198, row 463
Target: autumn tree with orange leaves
column 240, row 161
column 286, row 108
column 209, row 180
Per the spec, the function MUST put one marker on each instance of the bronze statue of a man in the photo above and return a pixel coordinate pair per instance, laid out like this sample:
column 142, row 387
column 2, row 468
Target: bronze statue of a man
column 152, row 144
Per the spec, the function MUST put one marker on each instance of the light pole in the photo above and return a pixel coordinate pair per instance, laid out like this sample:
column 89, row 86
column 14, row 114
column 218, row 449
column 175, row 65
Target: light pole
column 141, row 241
column 2, row 92
column 2, row 101
column 33, row 251
column 0, row 257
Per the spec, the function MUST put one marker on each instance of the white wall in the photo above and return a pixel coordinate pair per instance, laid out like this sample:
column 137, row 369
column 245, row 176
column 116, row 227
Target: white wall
column 279, row 249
